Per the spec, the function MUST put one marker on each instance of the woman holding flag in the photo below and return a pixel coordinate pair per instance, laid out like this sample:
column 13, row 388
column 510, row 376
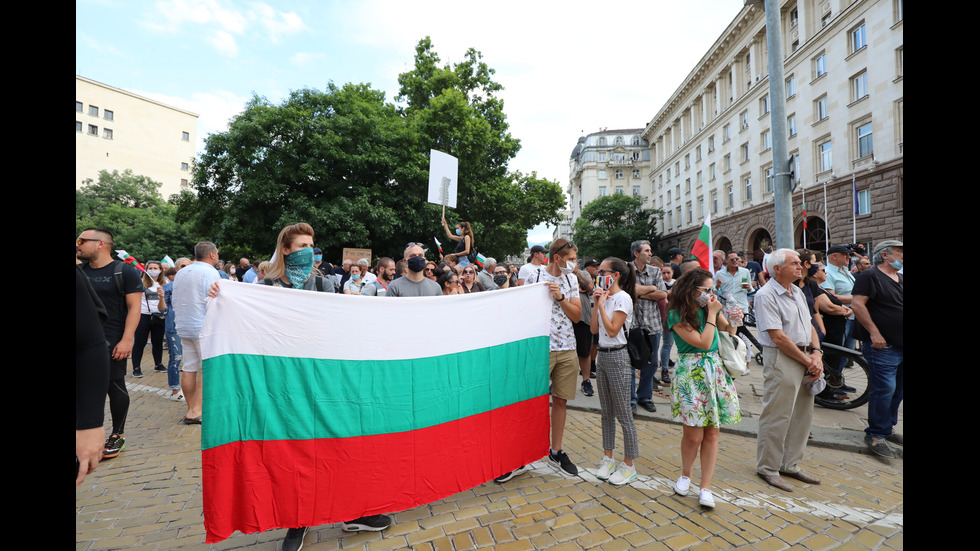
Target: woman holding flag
column 152, row 317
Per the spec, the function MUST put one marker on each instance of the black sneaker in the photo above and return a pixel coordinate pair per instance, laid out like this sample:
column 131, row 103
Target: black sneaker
column 373, row 523
column 294, row 539
column 587, row 388
column 649, row 406
column 878, row 446
column 160, row 367
column 507, row 476
column 665, row 378
column 137, row 372
column 113, row 446
column 561, row 460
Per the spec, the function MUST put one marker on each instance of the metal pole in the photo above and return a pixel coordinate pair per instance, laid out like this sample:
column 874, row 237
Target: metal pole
column 783, row 194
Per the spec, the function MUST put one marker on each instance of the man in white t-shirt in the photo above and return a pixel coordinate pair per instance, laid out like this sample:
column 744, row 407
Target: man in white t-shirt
column 533, row 266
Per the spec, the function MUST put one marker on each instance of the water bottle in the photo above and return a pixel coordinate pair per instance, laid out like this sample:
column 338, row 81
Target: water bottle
column 732, row 310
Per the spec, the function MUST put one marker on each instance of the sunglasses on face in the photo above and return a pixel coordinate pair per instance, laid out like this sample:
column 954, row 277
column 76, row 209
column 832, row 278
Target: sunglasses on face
column 81, row 240
column 468, row 272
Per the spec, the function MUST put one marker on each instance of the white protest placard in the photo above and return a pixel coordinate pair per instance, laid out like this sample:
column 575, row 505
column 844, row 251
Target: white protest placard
column 442, row 178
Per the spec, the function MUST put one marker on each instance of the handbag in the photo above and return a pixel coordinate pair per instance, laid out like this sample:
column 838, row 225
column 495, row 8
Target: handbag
column 732, row 351
column 638, row 346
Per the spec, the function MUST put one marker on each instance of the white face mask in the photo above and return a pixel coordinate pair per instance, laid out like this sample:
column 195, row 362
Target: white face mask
column 153, row 273
column 568, row 268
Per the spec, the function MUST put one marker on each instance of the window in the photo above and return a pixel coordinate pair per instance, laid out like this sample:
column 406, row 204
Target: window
column 727, row 163
column 78, row 107
column 93, row 110
column 764, row 105
column 184, row 166
column 619, row 157
column 700, row 178
column 602, row 141
column 747, row 183
column 825, row 155
column 899, row 10
column 825, row 20
column 635, row 156
column 743, row 120
column 602, row 174
column 794, row 167
column 602, row 156
column 726, row 133
column 107, row 133
column 820, row 66
column 766, row 140
column 822, row 109
column 618, row 141
column 78, row 126
column 636, row 191
column 900, row 60
column 619, row 174
column 864, row 201
column 790, row 87
column 186, row 136
column 687, row 161
column 635, row 141
column 711, row 143
column 859, row 86
column 93, row 130
column 731, row 196
column 744, row 152
column 865, row 141
column 791, row 125
column 714, row 201
column 184, row 182
column 668, row 175
column 711, row 172
column 697, row 153
column 858, row 38
column 619, row 190
column 794, row 17
column 701, row 208
column 636, row 174
column 677, row 168
column 602, row 191
column 107, row 115
column 690, row 213
column 687, row 186
column 770, row 180
column 668, row 196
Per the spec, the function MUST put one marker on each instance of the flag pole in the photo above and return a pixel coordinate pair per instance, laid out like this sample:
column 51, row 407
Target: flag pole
column 826, row 222
column 803, row 195
column 854, row 194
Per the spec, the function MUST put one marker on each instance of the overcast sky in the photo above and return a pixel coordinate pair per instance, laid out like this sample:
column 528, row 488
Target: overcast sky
column 568, row 68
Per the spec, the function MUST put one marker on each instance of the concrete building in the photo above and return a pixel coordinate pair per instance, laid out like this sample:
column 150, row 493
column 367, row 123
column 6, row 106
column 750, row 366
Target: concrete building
column 710, row 144
column 603, row 163
column 116, row 130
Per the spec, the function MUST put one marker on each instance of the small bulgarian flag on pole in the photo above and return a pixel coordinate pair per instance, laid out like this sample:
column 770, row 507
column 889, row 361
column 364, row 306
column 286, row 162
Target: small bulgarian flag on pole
column 702, row 247
column 480, row 260
column 124, row 256
column 438, row 244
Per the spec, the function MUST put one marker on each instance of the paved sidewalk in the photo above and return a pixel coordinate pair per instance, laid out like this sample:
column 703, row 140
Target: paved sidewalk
column 150, row 496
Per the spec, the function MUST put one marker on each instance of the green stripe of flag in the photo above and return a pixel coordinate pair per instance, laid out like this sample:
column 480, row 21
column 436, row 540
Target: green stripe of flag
column 250, row 397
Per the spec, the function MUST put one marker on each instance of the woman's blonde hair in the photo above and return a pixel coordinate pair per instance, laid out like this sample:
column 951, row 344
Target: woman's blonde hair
column 286, row 237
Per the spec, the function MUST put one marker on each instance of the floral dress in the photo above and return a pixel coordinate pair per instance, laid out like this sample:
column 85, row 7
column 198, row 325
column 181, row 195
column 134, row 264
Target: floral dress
column 702, row 394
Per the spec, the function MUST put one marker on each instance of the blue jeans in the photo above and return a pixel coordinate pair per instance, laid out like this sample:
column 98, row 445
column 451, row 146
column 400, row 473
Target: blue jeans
column 175, row 350
column 847, row 342
column 668, row 343
column 645, row 393
column 887, row 367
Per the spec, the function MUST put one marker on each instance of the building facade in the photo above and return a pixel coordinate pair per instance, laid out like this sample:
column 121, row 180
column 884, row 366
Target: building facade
column 116, row 130
column 603, row 163
column 711, row 145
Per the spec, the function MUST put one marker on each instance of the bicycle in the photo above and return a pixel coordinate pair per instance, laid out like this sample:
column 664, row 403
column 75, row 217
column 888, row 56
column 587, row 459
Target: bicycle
column 857, row 377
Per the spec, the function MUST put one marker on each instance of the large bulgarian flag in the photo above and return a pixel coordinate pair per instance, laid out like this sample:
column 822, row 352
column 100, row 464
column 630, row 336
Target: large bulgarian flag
column 702, row 247
column 322, row 408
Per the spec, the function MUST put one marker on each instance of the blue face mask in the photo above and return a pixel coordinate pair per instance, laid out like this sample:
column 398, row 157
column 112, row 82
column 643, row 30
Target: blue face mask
column 318, row 257
column 897, row 264
column 459, row 231
column 299, row 266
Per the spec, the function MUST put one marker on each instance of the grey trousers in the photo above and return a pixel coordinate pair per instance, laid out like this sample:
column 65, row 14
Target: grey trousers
column 614, row 373
column 787, row 411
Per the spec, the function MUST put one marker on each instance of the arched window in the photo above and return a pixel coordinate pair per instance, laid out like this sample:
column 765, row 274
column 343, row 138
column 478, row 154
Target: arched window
column 601, row 141
column 636, row 140
column 619, row 140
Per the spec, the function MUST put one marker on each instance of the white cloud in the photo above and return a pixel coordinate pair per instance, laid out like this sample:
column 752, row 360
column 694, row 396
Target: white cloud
column 302, row 59
column 101, row 47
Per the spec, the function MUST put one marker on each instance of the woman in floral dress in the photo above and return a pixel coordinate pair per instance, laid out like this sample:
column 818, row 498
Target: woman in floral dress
column 703, row 396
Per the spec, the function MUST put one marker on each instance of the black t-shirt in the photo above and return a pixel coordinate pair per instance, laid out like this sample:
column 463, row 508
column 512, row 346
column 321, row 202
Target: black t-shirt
column 885, row 304
column 115, row 303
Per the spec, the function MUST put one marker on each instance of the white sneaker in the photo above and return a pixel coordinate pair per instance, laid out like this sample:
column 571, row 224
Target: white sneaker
column 606, row 467
column 705, row 498
column 623, row 475
column 682, row 486
column 177, row 397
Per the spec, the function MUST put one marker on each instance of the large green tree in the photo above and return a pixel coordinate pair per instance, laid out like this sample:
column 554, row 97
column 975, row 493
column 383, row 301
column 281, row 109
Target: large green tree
column 609, row 224
column 355, row 166
column 132, row 208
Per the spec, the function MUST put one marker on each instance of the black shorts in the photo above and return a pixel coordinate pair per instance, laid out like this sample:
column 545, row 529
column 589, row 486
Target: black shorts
column 583, row 339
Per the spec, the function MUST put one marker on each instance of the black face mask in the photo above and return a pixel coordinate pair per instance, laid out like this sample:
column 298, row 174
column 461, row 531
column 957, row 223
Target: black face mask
column 416, row 263
column 500, row 279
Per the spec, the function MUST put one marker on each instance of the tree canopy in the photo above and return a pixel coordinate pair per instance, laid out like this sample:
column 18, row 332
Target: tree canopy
column 609, row 224
column 131, row 207
column 355, row 166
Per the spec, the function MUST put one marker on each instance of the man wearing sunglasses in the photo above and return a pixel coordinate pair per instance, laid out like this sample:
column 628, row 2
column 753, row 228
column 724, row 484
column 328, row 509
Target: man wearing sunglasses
column 120, row 288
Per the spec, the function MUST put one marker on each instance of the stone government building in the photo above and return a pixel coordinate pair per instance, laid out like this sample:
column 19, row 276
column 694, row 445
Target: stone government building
column 709, row 148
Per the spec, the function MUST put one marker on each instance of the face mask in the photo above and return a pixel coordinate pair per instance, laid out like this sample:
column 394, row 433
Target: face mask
column 153, row 273
column 703, row 299
column 416, row 263
column 568, row 268
column 500, row 279
column 459, row 231
column 897, row 264
column 299, row 265
column 318, row 257
column 604, row 282
column 355, row 277
column 232, row 270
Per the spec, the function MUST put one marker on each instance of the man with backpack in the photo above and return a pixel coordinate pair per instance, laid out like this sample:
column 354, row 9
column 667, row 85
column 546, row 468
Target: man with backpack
column 120, row 289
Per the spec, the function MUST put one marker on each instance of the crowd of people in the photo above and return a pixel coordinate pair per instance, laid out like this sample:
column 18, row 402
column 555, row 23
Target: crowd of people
column 613, row 326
